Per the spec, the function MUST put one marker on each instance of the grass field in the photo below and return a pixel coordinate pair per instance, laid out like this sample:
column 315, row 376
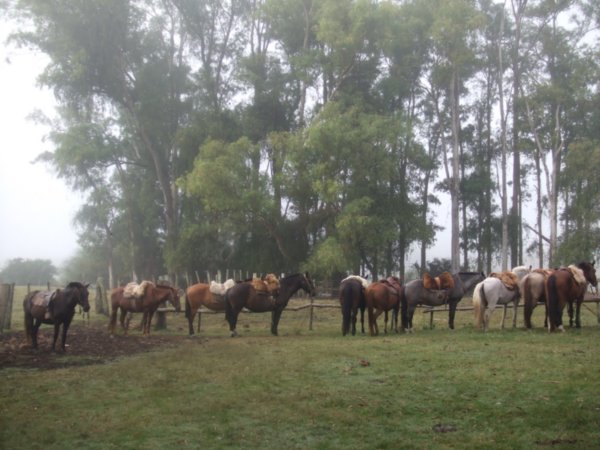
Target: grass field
column 434, row 388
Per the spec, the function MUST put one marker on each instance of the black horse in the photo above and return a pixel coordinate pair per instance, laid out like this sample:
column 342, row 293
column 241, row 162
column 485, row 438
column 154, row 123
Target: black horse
column 243, row 295
column 463, row 283
column 53, row 307
column 352, row 298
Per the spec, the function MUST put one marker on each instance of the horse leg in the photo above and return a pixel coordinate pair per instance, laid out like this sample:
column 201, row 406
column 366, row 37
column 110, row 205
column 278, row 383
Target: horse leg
column 233, row 323
column 385, row 322
column 34, row 332
column 275, row 317
column 515, row 306
column 578, row 312
column 452, row 314
column 504, row 315
column 113, row 321
column 56, row 330
column 65, row 328
column 191, row 315
column 570, row 311
column 528, row 312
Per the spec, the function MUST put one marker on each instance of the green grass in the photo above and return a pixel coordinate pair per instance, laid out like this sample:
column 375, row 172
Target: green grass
column 316, row 389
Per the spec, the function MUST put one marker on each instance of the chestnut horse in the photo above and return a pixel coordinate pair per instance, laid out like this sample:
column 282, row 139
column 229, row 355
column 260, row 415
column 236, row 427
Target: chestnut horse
column 565, row 286
column 148, row 303
column 198, row 295
column 243, row 295
column 383, row 296
column 352, row 298
column 56, row 308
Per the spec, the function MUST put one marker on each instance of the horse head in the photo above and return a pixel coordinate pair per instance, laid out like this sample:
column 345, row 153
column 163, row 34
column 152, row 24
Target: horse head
column 177, row 293
column 589, row 272
column 308, row 285
column 84, row 294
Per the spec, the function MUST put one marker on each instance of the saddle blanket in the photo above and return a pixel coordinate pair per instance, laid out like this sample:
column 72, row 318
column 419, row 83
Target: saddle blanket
column 221, row 288
column 134, row 290
column 42, row 299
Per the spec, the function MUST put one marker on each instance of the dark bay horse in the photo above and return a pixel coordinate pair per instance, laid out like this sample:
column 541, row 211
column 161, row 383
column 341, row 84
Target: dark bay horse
column 413, row 294
column 463, row 283
column 56, row 308
column 383, row 296
column 243, row 295
column 147, row 304
column 352, row 298
column 567, row 286
column 199, row 295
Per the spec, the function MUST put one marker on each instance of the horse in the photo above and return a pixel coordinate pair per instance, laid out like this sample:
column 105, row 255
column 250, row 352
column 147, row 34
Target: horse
column 199, row 295
column 491, row 292
column 533, row 292
column 383, row 296
column 565, row 286
column 463, row 283
column 415, row 293
column 147, row 303
column 56, row 308
column 244, row 295
column 352, row 299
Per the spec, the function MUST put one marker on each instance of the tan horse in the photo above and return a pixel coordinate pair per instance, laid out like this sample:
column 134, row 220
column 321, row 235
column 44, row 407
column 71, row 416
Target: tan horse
column 199, row 295
column 153, row 295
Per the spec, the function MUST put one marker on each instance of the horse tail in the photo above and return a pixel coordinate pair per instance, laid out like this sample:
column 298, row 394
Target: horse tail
column 188, row 309
column 346, row 300
column 479, row 304
column 228, row 307
column 370, row 300
column 552, row 302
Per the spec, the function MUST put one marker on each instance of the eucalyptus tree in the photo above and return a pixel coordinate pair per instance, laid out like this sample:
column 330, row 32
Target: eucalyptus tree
column 126, row 59
column 453, row 34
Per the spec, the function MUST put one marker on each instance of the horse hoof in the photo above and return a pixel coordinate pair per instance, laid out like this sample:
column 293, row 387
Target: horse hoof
column 561, row 328
column 233, row 334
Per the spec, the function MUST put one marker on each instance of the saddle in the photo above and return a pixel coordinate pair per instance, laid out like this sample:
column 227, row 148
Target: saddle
column 134, row 290
column 393, row 284
column 509, row 279
column 267, row 285
column 545, row 272
column 443, row 282
column 577, row 274
column 45, row 299
column 361, row 280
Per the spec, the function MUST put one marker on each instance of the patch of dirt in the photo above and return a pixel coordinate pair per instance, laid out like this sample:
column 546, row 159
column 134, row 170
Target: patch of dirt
column 86, row 344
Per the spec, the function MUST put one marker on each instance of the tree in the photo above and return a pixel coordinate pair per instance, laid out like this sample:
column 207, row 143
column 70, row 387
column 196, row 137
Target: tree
column 28, row 271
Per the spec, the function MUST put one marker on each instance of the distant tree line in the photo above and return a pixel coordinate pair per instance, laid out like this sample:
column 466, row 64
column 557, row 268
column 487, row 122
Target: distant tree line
column 21, row 271
column 302, row 134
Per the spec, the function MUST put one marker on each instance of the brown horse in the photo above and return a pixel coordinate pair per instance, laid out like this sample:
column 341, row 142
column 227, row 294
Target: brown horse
column 244, row 295
column 565, row 286
column 153, row 295
column 199, row 295
column 352, row 299
column 383, row 296
column 56, row 308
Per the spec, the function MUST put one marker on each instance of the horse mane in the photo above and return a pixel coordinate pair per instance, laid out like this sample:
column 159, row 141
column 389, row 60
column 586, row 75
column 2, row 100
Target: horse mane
column 577, row 274
column 361, row 280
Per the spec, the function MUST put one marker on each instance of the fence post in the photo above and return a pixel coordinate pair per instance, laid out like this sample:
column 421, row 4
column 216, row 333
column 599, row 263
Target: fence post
column 7, row 292
column 312, row 307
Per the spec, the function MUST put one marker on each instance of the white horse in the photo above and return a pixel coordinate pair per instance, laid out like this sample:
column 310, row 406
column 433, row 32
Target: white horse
column 489, row 293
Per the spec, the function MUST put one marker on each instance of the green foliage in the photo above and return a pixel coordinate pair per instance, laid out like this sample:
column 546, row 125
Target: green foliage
column 28, row 271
